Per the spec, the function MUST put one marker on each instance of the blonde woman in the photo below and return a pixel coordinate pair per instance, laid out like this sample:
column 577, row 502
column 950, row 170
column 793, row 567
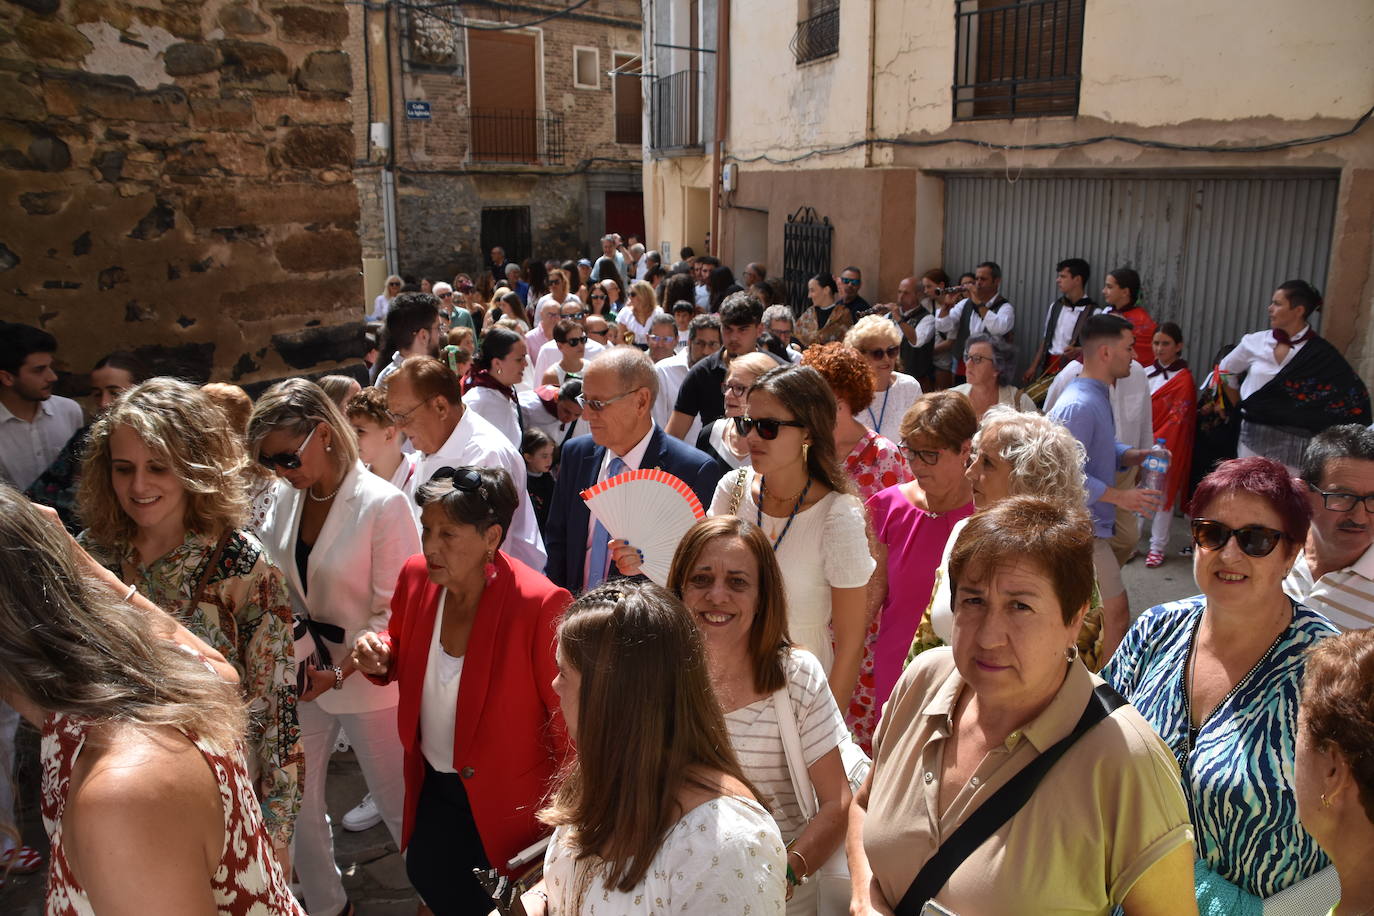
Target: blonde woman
column 146, row 798
column 382, row 304
column 637, row 316
column 720, row 439
column 164, row 501
column 879, row 341
column 342, row 535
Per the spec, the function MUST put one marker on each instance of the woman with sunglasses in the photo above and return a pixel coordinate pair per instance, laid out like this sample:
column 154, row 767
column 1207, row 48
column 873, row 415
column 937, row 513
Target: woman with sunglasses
column 470, row 644
column 382, row 304
column 598, row 303
column 163, row 494
column 879, row 340
column 616, row 300
column 990, row 367
column 636, row 316
column 1218, row 677
column 571, row 341
column 341, row 534
column 912, row 524
column 797, row 492
column 720, row 439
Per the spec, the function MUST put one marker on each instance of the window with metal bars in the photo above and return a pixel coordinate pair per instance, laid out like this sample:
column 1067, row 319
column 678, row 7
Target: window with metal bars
column 1017, row 58
column 805, row 252
column 818, row 35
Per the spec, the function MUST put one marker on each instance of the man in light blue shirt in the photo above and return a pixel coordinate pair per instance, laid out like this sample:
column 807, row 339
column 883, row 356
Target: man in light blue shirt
column 1086, row 411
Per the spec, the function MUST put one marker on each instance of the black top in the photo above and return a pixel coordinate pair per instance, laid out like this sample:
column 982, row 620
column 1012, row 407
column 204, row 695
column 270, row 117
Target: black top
column 701, row 394
column 540, row 488
column 302, row 559
column 858, row 307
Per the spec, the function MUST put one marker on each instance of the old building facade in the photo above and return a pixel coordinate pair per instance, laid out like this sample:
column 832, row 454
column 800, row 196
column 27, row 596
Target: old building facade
column 501, row 124
column 1218, row 149
column 176, row 178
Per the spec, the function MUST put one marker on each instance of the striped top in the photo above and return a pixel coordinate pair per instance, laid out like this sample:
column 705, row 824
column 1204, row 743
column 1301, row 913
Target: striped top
column 757, row 741
column 1344, row 596
column 1238, row 776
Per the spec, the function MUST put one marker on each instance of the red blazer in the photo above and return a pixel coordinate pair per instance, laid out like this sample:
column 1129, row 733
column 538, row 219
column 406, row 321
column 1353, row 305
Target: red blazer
column 510, row 738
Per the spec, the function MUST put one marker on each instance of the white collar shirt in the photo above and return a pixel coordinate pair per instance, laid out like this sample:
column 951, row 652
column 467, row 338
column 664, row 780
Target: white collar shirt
column 1254, row 356
column 1343, row 596
column 28, row 447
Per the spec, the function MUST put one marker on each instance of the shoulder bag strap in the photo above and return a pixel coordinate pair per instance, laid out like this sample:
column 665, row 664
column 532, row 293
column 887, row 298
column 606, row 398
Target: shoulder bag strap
column 209, row 569
column 738, row 496
column 792, row 749
column 999, row 809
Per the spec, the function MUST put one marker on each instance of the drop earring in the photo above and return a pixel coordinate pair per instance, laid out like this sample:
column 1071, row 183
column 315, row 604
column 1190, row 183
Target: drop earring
column 489, row 570
column 806, row 452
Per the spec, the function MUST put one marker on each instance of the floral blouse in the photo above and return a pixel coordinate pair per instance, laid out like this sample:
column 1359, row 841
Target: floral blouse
column 809, row 331
column 245, row 615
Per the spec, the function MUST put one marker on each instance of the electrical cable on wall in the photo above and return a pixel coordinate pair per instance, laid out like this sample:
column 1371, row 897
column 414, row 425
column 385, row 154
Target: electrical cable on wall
column 428, row 9
column 1063, row 144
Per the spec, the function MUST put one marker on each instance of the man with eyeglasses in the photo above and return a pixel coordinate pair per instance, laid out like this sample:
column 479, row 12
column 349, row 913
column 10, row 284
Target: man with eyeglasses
column 618, row 393
column 778, row 321
column 549, row 355
column 451, row 308
column 851, row 278
column 1334, row 573
column 1085, row 409
column 703, row 339
column 702, row 395
column 413, row 326
column 425, row 403
column 662, row 337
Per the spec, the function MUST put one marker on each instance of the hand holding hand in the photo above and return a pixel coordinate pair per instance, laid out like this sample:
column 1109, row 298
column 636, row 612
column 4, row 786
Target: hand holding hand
column 372, row 655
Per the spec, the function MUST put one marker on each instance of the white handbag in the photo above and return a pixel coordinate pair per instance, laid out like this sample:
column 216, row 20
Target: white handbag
column 833, row 894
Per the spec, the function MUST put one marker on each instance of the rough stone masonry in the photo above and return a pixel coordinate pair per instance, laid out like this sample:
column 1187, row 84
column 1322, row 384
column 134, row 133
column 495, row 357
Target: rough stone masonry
column 176, row 178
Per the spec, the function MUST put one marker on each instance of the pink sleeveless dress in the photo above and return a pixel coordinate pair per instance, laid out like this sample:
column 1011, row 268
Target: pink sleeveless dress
column 248, row 881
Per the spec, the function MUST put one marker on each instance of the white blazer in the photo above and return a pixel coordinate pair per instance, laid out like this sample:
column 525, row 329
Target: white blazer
column 366, row 539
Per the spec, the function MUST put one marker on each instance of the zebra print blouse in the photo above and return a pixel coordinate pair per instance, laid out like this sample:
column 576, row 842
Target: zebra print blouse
column 1237, row 767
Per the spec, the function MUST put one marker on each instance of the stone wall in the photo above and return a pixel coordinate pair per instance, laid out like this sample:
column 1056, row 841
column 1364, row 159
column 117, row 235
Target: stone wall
column 176, row 177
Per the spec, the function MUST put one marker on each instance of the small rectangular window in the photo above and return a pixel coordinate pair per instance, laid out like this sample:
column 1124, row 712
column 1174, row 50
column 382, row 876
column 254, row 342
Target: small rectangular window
column 586, row 67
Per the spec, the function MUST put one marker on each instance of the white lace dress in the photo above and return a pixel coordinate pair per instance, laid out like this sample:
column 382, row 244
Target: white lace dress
column 826, row 547
column 723, row 856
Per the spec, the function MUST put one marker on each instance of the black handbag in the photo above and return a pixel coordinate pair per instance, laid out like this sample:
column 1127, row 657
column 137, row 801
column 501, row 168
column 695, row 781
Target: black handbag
column 999, row 809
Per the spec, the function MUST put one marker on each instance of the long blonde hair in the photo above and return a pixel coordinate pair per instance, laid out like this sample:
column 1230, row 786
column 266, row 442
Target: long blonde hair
column 69, row 646
column 186, row 428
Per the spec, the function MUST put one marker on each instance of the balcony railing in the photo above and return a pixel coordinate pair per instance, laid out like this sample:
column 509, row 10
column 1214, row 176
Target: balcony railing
column 817, row 37
column 503, row 135
column 675, row 120
column 1017, row 58
column 629, row 128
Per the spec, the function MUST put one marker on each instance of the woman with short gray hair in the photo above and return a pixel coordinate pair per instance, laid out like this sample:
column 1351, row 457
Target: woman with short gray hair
column 990, row 364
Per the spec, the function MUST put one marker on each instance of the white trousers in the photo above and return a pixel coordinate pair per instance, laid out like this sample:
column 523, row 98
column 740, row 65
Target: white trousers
column 378, row 749
column 9, row 727
column 1159, row 529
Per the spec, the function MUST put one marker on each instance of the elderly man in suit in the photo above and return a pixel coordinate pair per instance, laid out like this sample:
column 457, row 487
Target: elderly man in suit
column 618, row 392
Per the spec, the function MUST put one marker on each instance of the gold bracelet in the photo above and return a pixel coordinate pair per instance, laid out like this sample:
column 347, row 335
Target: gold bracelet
column 806, row 869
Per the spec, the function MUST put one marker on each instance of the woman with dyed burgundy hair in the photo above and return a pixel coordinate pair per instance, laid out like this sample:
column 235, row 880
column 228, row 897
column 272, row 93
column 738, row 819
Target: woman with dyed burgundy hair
column 1218, row 677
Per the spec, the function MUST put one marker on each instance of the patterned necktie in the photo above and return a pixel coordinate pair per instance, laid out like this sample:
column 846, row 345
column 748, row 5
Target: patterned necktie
column 597, row 569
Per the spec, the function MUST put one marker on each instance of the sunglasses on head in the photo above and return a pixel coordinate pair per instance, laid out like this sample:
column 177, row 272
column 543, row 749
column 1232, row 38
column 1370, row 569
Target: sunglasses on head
column 768, row 427
column 890, row 352
column 1253, row 540
column 465, row 480
column 287, row 461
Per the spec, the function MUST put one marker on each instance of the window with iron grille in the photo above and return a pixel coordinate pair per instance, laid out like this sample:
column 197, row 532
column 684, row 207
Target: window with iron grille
column 805, row 253
column 508, row 228
column 1017, row 58
column 818, row 35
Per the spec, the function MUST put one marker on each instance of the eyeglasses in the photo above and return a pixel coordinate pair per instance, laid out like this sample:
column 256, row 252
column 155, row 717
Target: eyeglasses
column 977, row 360
column 660, row 338
column 597, row 333
column 401, row 419
column 287, row 461
column 578, row 315
column 768, row 427
column 738, row 391
column 1254, row 540
column 575, row 341
column 1344, row 502
column 393, row 284
column 850, row 281
column 599, row 406
column 446, row 295
column 595, row 298
column 929, row 456
column 890, row 352
column 466, row 480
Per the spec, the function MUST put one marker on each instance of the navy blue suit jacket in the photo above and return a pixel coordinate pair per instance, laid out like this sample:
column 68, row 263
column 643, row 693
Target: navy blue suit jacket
column 565, row 536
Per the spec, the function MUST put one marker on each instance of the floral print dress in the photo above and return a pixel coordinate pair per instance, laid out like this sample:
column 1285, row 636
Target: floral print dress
column 245, row 614
column 874, row 464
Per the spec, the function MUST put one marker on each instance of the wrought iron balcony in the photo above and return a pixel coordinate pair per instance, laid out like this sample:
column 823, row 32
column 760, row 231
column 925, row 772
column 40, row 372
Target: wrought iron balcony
column 505, row 135
column 675, row 119
column 817, row 37
column 1017, row 58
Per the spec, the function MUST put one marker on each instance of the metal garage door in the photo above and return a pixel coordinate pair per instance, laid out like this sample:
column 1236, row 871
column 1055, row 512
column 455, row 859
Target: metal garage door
column 1210, row 251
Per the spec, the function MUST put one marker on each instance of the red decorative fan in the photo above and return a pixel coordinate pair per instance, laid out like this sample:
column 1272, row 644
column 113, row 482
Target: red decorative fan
column 651, row 510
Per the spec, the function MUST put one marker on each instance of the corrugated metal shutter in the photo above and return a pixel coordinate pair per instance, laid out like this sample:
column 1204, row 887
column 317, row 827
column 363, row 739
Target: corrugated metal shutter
column 1210, row 251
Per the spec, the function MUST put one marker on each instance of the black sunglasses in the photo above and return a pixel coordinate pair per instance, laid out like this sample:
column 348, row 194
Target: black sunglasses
column 575, row 341
column 577, row 315
column 890, row 352
column 465, row 479
column 768, row 427
column 1254, row 540
column 287, row 461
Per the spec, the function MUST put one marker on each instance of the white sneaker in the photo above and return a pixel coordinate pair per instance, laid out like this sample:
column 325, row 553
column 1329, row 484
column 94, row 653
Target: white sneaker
column 364, row 817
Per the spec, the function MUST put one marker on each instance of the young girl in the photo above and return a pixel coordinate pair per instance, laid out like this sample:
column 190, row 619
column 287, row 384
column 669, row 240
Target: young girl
column 1173, row 397
column 537, row 449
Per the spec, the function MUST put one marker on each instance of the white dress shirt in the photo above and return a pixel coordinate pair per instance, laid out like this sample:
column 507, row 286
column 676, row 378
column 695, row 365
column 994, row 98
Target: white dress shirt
column 998, row 322
column 633, row 459
column 498, row 410
column 549, row 355
column 671, row 373
column 703, row 297
column 27, row 448
column 477, row 443
column 1254, row 356
column 439, row 698
column 1063, row 331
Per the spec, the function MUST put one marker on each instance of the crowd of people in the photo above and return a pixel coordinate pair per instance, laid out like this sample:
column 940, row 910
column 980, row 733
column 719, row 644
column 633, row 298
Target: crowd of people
column 902, row 676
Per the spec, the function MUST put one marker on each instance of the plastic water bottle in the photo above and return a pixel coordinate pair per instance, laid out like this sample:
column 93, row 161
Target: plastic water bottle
column 1153, row 471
